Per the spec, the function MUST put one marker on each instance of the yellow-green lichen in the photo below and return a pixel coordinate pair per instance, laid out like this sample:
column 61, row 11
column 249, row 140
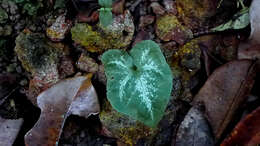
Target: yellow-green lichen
column 169, row 28
column 97, row 38
column 167, row 23
column 189, row 50
column 195, row 12
column 125, row 129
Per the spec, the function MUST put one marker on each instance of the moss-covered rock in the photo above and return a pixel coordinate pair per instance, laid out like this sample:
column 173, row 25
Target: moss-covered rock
column 127, row 130
column 194, row 13
column 43, row 59
column 97, row 38
column 131, row 132
column 58, row 30
column 169, row 28
column 186, row 62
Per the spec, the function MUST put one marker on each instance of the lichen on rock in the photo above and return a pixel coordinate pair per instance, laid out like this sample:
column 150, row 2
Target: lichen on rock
column 195, row 13
column 168, row 28
column 97, row 38
column 41, row 58
column 58, row 30
column 185, row 64
column 127, row 130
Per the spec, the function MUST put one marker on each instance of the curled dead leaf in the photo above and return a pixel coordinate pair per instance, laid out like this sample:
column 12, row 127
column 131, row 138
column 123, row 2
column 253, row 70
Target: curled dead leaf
column 71, row 96
column 247, row 131
column 224, row 91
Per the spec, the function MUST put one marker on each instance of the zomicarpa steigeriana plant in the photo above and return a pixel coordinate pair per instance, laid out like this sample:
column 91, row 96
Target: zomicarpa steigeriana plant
column 139, row 83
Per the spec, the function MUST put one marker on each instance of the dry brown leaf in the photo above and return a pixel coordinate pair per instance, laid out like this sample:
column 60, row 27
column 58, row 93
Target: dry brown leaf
column 250, row 53
column 224, row 91
column 247, row 131
column 9, row 130
column 71, row 96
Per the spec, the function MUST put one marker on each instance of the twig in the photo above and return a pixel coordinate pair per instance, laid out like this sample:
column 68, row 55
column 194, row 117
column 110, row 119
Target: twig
column 10, row 93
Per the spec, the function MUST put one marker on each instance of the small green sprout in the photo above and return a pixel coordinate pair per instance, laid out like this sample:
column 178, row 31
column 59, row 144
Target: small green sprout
column 105, row 12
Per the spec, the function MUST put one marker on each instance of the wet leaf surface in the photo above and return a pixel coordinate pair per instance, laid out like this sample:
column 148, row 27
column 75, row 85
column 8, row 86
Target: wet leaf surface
column 224, row 91
column 9, row 129
column 194, row 130
column 72, row 96
column 246, row 132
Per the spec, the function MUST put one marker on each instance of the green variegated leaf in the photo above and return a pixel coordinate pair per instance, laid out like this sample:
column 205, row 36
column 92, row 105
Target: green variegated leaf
column 105, row 3
column 139, row 83
column 105, row 16
column 239, row 21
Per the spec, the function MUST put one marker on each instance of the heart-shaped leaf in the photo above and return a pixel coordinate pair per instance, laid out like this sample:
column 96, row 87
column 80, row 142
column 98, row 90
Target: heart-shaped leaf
column 139, row 83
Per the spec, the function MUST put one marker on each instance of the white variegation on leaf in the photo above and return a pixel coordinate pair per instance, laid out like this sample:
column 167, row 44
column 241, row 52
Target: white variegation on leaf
column 139, row 83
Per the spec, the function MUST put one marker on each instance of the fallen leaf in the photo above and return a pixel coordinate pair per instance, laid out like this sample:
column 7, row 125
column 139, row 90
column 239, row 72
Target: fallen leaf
column 239, row 21
column 250, row 48
column 9, row 130
column 247, row 131
column 252, row 53
column 194, row 130
column 224, row 91
column 71, row 96
column 255, row 21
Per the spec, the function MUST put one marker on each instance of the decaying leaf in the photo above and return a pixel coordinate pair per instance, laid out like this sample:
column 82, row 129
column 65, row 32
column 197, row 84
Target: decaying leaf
column 252, row 53
column 255, row 21
column 239, row 21
column 247, row 131
column 72, row 96
column 139, row 83
column 224, row 91
column 9, row 130
column 194, row 130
